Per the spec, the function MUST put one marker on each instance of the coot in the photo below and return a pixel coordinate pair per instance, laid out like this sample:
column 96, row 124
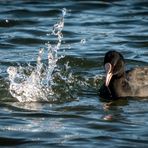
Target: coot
column 120, row 83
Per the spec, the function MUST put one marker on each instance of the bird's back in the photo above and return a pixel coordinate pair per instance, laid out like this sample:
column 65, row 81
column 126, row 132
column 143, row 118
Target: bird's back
column 138, row 81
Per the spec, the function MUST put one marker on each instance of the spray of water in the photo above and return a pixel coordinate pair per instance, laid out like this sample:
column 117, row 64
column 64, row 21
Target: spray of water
column 35, row 84
column 48, row 82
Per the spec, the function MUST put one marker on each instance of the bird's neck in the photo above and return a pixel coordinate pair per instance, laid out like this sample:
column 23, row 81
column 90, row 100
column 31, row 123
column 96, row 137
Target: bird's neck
column 117, row 81
column 119, row 75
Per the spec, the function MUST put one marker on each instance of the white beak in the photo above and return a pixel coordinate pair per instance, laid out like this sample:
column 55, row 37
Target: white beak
column 109, row 74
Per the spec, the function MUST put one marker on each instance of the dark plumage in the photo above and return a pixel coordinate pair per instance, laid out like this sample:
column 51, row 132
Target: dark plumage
column 121, row 83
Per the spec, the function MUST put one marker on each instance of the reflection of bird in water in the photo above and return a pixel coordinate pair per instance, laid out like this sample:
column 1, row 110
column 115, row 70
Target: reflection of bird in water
column 121, row 83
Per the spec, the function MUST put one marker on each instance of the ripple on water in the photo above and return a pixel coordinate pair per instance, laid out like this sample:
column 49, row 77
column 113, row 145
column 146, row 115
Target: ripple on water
column 74, row 116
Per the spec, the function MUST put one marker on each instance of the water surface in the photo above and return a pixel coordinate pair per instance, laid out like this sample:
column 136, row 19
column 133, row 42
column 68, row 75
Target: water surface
column 74, row 115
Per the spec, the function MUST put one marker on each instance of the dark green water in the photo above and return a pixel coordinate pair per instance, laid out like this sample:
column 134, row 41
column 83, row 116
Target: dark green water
column 74, row 116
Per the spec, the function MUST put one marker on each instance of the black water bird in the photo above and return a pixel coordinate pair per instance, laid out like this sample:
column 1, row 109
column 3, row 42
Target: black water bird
column 120, row 83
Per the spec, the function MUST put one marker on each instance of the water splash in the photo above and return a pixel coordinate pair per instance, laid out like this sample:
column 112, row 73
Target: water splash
column 35, row 83
column 48, row 81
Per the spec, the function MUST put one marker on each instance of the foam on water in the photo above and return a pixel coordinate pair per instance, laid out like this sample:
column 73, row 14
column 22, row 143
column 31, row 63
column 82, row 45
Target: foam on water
column 34, row 84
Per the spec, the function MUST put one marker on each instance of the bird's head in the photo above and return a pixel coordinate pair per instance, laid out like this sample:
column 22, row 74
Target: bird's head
column 113, row 64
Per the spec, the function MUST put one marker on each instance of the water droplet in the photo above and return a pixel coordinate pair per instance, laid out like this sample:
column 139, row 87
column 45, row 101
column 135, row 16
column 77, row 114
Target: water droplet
column 83, row 41
column 69, row 46
column 64, row 11
column 7, row 21
column 48, row 34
